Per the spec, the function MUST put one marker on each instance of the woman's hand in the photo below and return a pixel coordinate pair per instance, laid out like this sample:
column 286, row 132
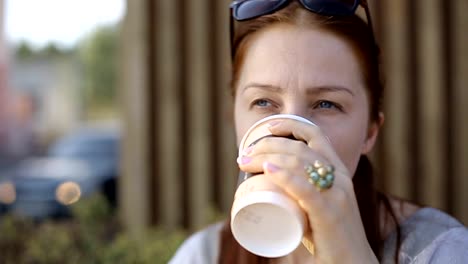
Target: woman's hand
column 336, row 229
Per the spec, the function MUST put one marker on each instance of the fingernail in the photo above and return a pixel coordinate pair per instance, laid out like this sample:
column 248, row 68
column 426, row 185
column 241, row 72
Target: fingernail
column 243, row 160
column 270, row 167
column 247, row 151
column 273, row 123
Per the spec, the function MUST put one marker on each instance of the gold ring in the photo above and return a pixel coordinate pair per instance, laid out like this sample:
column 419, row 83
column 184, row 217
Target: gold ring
column 320, row 175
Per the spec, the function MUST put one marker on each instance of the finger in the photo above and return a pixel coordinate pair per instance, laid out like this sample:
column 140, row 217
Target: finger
column 311, row 134
column 254, row 163
column 278, row 145
column 296, row 186
column 296, row 160
column 283, row 146
column 333, row 204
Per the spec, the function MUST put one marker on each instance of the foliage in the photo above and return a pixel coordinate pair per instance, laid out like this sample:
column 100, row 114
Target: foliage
column 92, row 236
column 25, row 51
column 98, row 57
column 96, row 61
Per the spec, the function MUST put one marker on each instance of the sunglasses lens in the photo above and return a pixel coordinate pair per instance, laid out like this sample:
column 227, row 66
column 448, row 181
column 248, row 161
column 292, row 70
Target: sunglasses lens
column 254, row 8
column 332, row 7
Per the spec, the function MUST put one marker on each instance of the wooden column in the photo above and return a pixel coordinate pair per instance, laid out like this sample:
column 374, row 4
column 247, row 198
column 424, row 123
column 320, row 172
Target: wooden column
column 134, row 182
column 433, row 164
column 459, row 47
column 227, row 150
column 168, row 112
column 395, row 50
column 199, row 114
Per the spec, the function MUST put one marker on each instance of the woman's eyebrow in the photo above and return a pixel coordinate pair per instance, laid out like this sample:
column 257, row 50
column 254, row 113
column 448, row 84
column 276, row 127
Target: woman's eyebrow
column 328, row 89
column 309, row 91
column 268, row 87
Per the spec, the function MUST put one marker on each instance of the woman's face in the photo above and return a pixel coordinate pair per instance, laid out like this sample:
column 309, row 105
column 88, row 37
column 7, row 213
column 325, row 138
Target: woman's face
column 310, row 73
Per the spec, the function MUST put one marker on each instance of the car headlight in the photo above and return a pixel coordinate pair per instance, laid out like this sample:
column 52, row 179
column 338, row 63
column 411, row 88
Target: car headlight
column 68, row 193
column 7, row 193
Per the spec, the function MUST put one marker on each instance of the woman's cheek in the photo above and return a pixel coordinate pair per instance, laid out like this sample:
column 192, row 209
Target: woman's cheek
column 345, row 142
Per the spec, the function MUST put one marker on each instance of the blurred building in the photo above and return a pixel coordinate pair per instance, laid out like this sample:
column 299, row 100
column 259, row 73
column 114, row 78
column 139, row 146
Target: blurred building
column 3, row 83
column 39, row 99
column 47, row 101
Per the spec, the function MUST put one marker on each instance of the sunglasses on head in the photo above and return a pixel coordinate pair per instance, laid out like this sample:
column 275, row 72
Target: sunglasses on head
column 242, row 10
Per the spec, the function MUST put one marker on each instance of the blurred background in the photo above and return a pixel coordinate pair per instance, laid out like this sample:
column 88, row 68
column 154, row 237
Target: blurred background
column 116, row 134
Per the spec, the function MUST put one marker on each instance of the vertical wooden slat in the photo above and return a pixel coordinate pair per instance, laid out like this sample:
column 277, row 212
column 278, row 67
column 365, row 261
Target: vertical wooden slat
column 216, row 179
column 460, row 106
column 133, row 185
column 185, row 175
column 395, row 56
column 168, row 100
column 431, row 138
column 226, row 146
column 377, row 156
column 414, row 101
column 198, row 111
column 447, row 88
column 151, row 62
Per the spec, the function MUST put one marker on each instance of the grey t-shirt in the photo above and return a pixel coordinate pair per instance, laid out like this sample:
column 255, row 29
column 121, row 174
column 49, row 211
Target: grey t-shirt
column 428, row 236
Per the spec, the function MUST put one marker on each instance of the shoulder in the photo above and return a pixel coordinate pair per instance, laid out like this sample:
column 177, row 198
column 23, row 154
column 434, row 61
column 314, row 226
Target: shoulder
column 200, row 248
column 430, row 236
column 449, row 247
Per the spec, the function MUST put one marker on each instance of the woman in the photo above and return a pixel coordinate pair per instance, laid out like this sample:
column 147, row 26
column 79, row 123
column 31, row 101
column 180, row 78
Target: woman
column 319, row 60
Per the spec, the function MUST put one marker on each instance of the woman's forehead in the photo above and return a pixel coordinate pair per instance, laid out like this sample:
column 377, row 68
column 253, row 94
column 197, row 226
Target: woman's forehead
column 288, row 55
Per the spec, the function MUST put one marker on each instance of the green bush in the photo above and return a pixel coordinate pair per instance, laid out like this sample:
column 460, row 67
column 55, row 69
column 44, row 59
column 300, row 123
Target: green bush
column 92, row 236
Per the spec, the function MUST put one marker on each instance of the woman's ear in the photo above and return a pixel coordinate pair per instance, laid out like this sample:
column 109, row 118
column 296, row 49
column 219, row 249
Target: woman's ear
column 372, row 134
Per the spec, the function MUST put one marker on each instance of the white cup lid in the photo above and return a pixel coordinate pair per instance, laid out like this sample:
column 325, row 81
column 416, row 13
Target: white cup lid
column 269, row 118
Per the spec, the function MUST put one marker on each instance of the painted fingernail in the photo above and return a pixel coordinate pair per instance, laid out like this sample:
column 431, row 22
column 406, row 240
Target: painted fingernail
column 243, row 160
column 247, row 151
column 270, row 167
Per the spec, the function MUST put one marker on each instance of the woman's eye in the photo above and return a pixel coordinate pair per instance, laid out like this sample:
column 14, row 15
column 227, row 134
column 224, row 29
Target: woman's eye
column 326, row 105
column 261, row 103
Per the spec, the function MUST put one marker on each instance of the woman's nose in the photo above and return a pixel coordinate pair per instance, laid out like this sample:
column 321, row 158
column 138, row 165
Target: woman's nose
column 296, row 108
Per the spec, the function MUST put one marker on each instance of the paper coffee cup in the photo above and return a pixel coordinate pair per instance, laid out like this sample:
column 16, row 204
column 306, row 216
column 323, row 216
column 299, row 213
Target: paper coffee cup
column 266, row 222
column 264, row 219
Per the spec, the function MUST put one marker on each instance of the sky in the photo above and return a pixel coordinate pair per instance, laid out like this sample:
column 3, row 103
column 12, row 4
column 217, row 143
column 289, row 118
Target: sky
column 63, row 22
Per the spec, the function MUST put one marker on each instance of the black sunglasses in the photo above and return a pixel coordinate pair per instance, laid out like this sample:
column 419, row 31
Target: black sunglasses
column 242, row 10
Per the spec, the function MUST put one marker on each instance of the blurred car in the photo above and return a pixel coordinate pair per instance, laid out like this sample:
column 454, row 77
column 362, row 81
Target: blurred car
column 76, row 166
